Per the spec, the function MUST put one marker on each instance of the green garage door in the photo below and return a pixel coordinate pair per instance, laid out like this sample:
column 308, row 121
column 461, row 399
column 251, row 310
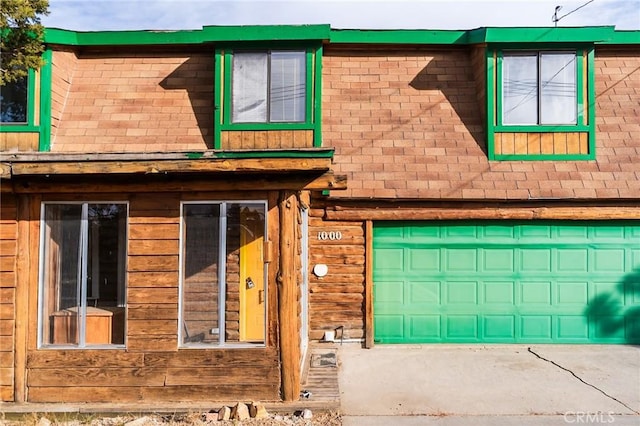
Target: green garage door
column 506, row 282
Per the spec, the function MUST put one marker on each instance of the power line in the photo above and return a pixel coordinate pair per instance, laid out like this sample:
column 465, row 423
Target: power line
column 555, row 18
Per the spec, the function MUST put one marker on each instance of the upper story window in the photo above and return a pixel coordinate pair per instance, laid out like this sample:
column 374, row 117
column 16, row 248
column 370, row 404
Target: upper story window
column 83, row 264
column 539, row 88
column 14, row 102
column 269, row 87
column 540, row 103
column 268, row 98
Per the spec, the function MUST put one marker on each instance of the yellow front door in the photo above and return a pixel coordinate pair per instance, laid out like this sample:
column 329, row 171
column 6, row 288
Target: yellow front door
column 252, row 295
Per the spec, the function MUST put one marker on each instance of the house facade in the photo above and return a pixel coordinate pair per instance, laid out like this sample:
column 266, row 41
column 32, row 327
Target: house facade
column 182, row 212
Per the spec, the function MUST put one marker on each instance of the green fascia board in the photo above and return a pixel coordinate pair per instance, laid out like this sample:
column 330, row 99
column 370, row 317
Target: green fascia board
column 266, row 32
column 211, row 34
column 398, row 36
column 257, row 33
column 542, row 35
column 623, row 37
column 116, row 38
column 537, row 35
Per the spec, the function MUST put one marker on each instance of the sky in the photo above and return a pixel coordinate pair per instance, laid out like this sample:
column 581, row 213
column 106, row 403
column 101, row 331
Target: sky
column 104, row 15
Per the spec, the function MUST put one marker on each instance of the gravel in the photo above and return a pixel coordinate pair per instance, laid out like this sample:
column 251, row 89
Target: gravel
column 191, row 419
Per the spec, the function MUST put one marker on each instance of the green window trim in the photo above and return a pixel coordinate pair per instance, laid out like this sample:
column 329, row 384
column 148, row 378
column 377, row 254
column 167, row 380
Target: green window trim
column 43, row 126
column 45, row 101
column 585, row 121
column 223, row 79
column 30, row 125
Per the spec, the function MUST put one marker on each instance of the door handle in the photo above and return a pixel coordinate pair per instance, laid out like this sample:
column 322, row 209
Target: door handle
column 260, row 296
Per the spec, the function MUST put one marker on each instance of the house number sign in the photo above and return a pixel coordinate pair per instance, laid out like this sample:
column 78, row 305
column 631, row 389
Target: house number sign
column 329, row 235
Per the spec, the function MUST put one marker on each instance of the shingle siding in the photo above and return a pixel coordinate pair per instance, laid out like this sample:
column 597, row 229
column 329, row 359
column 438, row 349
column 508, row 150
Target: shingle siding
column 410, row 124
column 138, row 103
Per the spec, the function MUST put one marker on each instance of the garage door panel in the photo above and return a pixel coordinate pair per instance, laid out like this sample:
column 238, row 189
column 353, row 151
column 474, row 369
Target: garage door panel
column 632, row 290
column 609, row 260
column 461, row 231
column 421, row 233
column 498, row 231
column 389, row 259
column 632, row 325
column 572, row 293
column 499, row 327
column 507, row 282
column 386, row 292
column 462, row 292
column 573, row 233
column 535, row 260
column 425, row 293
column 606, row 291
column 391, row 326
column 535, row 293
column 498, row 260
column 607, row 327
column 635, row 260
column 425, row 327
column 535, row 232
column 461, row 260
column 462, row 327
column 389, row 231
column 609, row 233
column 424, row 260
column 536, row 327
column 498, row 293
column 572, row 260
column 573, row 327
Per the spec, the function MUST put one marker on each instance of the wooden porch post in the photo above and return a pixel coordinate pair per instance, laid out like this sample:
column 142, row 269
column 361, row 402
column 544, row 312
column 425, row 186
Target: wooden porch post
column 368, row 292
column 288, row 299
column 24, row 276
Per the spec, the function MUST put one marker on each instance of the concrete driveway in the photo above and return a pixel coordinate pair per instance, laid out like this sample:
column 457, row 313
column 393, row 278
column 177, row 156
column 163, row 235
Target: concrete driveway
column 493, row 385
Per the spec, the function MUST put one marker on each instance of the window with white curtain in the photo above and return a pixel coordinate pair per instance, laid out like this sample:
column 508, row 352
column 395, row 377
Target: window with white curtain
column 269, row 87
column 539, row 88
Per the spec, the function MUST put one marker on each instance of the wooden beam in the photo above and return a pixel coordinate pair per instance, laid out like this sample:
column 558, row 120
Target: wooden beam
column 263, row 182
column 288, row 300
column 577, row 212
column 21, row 312
column 169, row 166
column 368, row 286
column 5, row 170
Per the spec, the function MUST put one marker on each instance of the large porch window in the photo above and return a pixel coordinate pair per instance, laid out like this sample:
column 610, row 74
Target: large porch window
column 83, row 274
column 223, row 292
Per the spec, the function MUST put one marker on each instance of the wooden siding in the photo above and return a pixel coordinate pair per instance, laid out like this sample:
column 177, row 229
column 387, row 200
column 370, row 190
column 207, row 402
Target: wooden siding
column 22, row 141
column 267, row 139
column 541, row 143
column 8, row 252
column 152, row 367
column 336, row 299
